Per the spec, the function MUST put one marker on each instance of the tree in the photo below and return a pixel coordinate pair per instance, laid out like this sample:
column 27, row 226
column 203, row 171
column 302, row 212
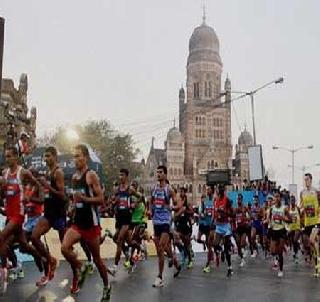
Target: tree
column 115, row 150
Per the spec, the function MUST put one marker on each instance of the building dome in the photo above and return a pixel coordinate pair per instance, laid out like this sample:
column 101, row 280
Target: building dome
column 245, row 138
column 174, row 135
column 204, row 45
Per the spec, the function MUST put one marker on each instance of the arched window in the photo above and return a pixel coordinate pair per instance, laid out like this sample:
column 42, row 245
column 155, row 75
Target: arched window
column 190, row 188
column 199, row 188
column 170, row 171
column 196, row 120
column 212, row 164
column 175, row 172
column 179, row 171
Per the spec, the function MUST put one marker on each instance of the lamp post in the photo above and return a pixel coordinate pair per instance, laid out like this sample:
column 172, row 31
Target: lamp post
column 251, row 94
column 1, row 49
column 293, row 151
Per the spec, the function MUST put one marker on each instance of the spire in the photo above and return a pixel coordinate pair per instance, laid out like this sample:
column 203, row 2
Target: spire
column 204, row 15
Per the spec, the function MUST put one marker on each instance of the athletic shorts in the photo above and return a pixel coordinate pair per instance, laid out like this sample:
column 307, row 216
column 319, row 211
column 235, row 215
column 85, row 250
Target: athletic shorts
column 88, row 234
column 183, row 229
column 57, row 223
column 133, row 225
column 31, row 223
column 258, row 226
column 123, row 219
column 308, row 230
column 276, row 235
column 16, row 219
column 223, row 229
column 160, row 229
column 242, row 229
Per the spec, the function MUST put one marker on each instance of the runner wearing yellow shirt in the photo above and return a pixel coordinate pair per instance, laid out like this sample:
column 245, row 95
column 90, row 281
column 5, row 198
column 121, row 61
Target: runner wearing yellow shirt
column 309, row 211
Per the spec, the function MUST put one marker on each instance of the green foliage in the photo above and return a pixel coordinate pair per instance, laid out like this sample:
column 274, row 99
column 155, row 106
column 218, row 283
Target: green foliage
column 115, row 150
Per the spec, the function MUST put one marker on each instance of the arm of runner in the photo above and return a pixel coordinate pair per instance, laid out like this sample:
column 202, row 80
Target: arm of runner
column 287, row 217
column 180, row 208
column 39, row 197
column 59, row 178
column 173, row 196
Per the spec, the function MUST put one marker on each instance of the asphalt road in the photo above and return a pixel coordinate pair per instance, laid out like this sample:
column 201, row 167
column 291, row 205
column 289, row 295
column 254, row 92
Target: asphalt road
column 255, row 282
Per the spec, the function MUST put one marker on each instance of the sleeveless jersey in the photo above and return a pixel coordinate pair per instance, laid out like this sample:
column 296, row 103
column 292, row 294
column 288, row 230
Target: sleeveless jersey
column 138, row 211
column 32, row 209
column 220, row 210
column 54, row 205
column 13, row 190
column 161, row 206
column 295, row 217
column 255, row 211
column 86, row 215
column 207, row 208
column 277, row 218
column 310, row 204
column 241, row 216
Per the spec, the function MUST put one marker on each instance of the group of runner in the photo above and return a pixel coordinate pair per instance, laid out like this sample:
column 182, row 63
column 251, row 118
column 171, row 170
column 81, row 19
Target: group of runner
column 34, row 204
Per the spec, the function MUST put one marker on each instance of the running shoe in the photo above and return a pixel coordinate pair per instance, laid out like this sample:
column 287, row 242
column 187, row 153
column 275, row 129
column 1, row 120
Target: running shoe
column 90, row 268
column 280, row 274
column 43, row 281
column 176, row 274
column 13, row 275
column 108, row 233
column 127, row 264
column 275, row 265
column 113, row 270
column 106, row 295
column 242, row 263
column 229, row 272
column 190, row 265
column 20, row 273
column 158, row 282
column 254, row 254
column 207, row 269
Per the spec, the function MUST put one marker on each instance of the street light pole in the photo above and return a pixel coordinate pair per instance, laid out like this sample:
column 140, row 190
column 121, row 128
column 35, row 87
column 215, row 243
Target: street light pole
column 292, row 151
column 1, row 49
column 251, row 94
column 253, row 120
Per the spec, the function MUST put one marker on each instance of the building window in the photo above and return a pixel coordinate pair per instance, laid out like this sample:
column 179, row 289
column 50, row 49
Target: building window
column 210, row 89
column 196, row 90
column 190, row 188
column 170, row 171
column 199, row 189
column 175, row 172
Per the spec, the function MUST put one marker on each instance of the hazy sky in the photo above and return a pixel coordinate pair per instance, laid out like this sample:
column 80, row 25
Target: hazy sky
column 125, row 60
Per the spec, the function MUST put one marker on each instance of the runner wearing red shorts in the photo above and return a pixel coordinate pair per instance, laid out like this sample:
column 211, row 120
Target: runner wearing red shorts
column 87, row 196
column 12, row 190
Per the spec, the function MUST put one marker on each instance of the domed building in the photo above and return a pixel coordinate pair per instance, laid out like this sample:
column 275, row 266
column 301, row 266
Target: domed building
column 202, row 141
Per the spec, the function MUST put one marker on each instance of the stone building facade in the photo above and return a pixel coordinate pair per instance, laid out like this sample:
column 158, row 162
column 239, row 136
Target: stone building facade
column 203, row 140
column 14, row 112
